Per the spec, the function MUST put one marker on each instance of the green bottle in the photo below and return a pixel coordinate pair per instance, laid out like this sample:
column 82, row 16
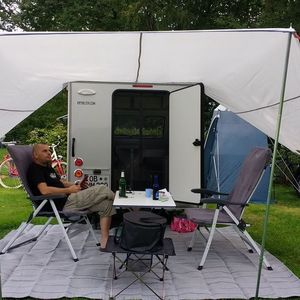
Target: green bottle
column 122, row 185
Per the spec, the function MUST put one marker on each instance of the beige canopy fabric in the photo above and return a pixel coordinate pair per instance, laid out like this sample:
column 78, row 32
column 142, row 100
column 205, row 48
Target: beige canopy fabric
column 241, row 69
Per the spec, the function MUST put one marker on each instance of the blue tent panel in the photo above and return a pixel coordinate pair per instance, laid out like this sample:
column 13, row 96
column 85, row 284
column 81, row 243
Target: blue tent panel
column 229, row 141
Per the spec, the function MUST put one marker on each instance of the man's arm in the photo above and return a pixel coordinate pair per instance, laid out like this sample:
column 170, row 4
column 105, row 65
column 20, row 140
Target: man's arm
column 45, row 189
column 66, row 183
column 83, row 183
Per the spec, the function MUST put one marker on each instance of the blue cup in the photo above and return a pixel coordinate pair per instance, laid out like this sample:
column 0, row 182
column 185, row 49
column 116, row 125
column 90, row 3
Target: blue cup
column 148, row 193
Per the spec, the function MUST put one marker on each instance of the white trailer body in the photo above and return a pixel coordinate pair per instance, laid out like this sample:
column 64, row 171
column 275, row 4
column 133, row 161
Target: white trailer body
column 144, row 129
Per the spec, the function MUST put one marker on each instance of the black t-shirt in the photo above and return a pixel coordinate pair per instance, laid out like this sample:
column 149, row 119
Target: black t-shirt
column 37, row 174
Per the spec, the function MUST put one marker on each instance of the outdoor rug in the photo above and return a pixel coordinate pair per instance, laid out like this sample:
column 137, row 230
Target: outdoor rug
column 45, row 270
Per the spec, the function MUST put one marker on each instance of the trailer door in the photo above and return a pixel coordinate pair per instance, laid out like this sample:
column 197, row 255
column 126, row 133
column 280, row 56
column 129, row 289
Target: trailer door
column 184, row 143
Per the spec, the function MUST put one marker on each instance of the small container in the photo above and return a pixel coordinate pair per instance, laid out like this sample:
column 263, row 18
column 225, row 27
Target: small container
column 122, row 186
column 155, row 195
column 148, row 193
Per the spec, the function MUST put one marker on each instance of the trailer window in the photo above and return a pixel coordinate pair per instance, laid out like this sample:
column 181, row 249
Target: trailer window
column 126, row 125
column 140, row 137
column 153, row 127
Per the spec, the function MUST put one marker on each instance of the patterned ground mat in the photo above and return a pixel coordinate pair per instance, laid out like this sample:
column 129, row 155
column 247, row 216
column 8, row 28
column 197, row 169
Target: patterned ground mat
column 45, row 270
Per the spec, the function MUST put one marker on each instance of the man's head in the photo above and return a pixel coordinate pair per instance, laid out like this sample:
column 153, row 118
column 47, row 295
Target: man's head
column 41, row 154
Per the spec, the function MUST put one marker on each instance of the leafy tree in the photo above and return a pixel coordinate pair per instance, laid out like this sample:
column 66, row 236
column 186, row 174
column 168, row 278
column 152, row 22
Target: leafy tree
column 294, row 14
column 8, row 14
column 182, row 15
column 82, row 15
column 53, row 15
column 223, row 14
column 44, row 117
column 51, row 135
column 280, row 13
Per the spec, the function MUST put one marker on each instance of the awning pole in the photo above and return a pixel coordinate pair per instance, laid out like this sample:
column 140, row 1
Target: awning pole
column 266, row 219
column 0, row 285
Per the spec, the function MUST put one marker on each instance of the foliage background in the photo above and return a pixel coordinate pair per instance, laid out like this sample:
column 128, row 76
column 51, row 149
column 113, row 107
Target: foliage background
column 112, row 15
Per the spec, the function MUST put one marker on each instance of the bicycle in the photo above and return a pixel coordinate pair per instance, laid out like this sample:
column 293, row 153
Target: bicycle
column 9, row 176
column 58, row 164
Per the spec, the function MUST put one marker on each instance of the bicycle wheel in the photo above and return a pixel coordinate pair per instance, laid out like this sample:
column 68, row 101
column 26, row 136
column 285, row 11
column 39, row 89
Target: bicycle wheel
column 9, row 177
column 61, row 169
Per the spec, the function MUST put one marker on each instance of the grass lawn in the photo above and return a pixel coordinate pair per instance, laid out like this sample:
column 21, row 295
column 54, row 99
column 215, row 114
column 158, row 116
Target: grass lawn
column 14, row 207
column 283, row 236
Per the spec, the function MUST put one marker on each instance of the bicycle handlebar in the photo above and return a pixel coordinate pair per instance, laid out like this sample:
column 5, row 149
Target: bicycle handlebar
column 54, row 145
column 9, row 143
column 58, row 142
column 54, row 154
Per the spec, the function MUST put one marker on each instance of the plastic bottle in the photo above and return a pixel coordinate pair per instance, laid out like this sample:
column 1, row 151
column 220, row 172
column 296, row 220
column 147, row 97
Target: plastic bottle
column 155, row 195
column 122, row 185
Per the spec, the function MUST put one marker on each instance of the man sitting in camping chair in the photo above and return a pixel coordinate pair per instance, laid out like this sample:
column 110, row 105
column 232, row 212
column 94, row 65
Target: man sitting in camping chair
column 43, row 180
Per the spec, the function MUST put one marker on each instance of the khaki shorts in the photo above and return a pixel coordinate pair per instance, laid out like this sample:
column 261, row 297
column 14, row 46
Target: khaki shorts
column 97, row 198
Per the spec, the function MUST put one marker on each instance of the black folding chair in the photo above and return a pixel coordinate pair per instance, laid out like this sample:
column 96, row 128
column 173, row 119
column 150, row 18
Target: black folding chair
column 229, row 209
column 139, row 263
column 22, row 156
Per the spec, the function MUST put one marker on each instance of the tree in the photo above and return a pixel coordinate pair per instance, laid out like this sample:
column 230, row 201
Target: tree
column 52, row 135
column 280, row 13
column 53, row 15
column 294, row 14
column 111, row 15
column 9, row 15
column 182, row 15
column 81, row 15
column 45, row 117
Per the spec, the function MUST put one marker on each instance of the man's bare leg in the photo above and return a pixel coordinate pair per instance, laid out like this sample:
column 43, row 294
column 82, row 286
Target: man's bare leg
column 105, row 226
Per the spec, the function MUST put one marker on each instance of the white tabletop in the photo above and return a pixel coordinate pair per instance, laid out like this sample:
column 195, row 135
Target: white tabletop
column 138, row 199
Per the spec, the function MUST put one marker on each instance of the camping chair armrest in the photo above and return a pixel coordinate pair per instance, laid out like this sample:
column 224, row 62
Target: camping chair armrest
column 220, row 202
column 214, row 201
column 207, row 192
column 44, row 197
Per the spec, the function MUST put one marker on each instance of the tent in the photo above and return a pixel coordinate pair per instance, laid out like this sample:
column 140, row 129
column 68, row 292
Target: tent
column 228, row 142
column 241, row 69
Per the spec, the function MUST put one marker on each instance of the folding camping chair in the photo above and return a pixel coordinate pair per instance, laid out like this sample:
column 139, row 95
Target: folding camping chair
column 230, row 209
column 139, row 263
column 22, row 156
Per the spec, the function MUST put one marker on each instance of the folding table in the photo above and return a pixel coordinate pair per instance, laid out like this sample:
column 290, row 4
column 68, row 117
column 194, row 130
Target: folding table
column 138, row 199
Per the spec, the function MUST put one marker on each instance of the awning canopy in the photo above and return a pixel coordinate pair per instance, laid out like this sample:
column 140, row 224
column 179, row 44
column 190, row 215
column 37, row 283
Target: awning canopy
column 241, row 69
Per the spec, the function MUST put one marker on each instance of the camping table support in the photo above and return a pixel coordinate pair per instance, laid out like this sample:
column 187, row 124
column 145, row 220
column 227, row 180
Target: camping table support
column 162, row 256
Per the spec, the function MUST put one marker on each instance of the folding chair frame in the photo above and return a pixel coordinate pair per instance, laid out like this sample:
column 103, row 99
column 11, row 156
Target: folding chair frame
column 81, row 216
column 22, row 156
column 239, row 227
column 238, row 224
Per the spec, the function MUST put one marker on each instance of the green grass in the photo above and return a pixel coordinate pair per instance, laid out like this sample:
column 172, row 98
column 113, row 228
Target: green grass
column 2, row 152
column 283, row 233
column 14, row 208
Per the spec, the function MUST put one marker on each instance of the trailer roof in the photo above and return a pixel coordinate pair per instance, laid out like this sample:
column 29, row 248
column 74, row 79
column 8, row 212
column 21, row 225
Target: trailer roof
column 241, row 69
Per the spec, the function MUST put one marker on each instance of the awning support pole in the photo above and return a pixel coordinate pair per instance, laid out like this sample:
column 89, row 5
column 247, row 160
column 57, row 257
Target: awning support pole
column 266, row 219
